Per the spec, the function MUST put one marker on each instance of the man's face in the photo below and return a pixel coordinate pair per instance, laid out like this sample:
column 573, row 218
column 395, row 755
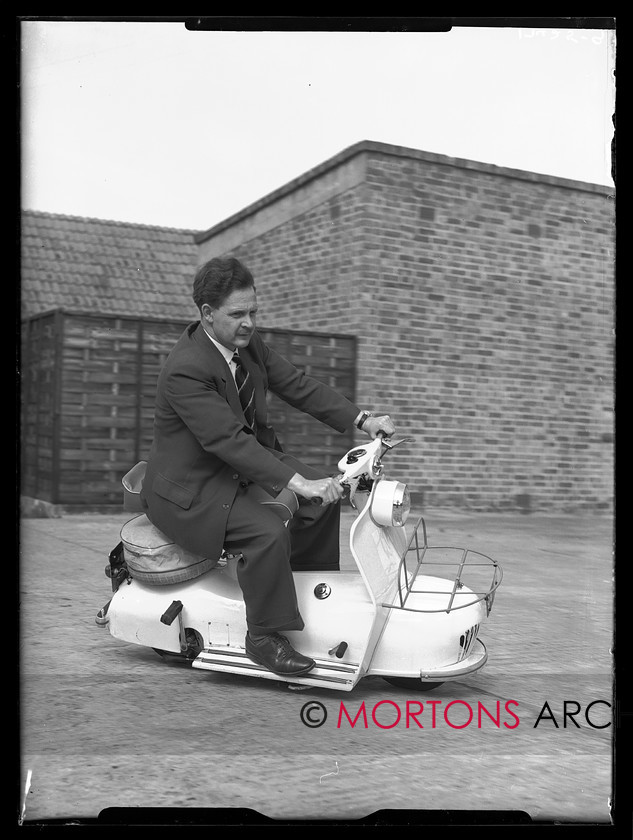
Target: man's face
column 233, row 322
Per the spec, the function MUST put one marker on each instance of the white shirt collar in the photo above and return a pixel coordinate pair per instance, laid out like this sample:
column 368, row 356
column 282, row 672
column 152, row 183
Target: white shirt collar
column 228, row 354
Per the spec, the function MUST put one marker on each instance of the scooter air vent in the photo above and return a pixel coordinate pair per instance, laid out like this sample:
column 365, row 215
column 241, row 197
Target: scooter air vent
column 467, row 640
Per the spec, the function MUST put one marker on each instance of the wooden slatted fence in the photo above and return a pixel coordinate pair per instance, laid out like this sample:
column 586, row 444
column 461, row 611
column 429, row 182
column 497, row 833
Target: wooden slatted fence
column 88, row 387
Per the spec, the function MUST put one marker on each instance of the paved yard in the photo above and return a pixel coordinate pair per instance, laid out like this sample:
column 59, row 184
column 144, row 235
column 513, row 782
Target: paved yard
column 105, row 724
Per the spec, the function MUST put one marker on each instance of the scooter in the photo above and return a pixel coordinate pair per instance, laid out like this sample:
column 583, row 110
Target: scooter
column 410, row 612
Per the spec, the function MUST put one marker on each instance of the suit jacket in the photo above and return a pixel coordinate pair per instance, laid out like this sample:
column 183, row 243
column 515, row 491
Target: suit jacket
column 202, row 447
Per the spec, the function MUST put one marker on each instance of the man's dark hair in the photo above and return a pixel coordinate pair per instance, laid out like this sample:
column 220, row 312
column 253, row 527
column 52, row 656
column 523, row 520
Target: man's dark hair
column 218, row 278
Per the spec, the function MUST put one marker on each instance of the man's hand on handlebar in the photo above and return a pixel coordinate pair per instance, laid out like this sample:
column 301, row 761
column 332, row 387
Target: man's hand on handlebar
column 374, row 426
column 324, row 490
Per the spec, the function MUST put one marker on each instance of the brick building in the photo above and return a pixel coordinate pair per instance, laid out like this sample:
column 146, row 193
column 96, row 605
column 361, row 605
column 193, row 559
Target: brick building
column 481, row 299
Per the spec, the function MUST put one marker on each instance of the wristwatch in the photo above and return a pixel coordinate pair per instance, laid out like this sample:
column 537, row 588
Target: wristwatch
column 362, row 417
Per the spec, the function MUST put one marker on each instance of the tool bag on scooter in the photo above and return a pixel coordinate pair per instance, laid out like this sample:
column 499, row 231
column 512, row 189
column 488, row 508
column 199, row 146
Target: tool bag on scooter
column 151, row 557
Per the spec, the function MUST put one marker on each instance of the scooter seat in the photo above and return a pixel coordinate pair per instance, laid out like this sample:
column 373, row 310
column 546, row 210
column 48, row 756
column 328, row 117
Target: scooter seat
column 151, row 557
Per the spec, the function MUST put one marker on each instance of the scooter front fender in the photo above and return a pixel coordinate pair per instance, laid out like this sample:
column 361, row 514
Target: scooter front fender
column 423, row 639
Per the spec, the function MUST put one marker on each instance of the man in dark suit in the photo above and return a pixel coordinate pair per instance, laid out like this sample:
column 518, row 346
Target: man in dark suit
column 214, row 451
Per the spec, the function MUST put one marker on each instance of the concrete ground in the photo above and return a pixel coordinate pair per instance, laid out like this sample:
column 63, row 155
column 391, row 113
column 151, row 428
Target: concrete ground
column 109, row 725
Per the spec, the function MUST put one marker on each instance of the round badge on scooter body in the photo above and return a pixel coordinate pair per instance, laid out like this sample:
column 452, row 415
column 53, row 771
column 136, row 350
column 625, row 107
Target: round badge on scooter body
column 322, row 591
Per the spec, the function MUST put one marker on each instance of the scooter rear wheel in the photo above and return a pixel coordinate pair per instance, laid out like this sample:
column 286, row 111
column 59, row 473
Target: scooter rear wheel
column 173, row 658
column 194, row 646
column 412, row 683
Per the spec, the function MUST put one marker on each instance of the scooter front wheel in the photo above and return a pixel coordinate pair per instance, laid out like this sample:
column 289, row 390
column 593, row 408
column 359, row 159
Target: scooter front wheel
column 412, row 683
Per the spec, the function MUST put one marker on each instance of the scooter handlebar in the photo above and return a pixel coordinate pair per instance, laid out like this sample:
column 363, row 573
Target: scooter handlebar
column 318, row 500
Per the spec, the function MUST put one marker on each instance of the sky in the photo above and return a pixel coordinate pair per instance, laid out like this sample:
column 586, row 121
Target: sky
column 149, row 123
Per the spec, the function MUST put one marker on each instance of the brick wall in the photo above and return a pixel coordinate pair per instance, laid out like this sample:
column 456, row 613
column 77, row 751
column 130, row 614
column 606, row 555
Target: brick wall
column 482, row 300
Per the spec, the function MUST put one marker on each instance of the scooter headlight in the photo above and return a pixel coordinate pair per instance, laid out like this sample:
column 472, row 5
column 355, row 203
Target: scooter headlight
column 391, row 503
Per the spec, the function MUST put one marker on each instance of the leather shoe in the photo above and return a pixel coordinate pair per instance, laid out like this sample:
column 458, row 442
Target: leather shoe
column 276, row 654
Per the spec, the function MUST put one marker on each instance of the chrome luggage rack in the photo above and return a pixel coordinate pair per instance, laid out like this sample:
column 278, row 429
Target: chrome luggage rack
column 466, row 561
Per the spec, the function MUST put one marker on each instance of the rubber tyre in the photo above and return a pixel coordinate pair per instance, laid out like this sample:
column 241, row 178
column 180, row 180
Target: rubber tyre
column 412, row 684
column 172, row 658
column 195, row 645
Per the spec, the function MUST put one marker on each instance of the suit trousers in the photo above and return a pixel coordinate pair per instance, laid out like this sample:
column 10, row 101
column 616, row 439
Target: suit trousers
column 271, row 551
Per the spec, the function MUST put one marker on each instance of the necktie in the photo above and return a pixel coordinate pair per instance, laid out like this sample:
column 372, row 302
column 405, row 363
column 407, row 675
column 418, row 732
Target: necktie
column 245, row 390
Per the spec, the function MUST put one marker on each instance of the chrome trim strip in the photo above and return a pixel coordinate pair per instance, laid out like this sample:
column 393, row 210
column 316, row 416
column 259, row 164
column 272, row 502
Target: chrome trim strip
column 227, row 667
column 346, row 667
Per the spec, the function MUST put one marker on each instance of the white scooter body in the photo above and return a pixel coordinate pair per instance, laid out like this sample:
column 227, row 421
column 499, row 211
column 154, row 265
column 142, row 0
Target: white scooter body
column 384, row 618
